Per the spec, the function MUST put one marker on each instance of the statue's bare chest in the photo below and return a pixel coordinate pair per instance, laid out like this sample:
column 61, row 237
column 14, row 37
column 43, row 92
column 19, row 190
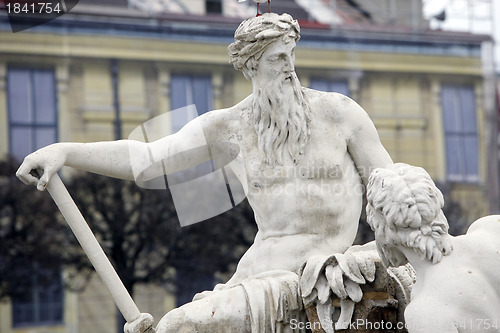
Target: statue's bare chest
column 323, row 158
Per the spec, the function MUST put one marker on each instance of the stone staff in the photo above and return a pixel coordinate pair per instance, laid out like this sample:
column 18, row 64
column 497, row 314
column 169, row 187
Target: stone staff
column 94, row 251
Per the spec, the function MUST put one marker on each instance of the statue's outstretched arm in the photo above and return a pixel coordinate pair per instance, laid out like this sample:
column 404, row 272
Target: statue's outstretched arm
column 124, row 159
column 108, row 158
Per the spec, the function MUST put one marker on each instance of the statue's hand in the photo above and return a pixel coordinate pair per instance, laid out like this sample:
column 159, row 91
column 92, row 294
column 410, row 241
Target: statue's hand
column 38, row 167
column 350, row 271
column 143, row 324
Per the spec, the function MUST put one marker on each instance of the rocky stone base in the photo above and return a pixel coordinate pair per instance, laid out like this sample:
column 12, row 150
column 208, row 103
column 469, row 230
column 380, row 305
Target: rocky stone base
column 383, row 304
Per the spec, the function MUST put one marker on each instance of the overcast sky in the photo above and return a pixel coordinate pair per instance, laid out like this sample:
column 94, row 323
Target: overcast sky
column 478, row 16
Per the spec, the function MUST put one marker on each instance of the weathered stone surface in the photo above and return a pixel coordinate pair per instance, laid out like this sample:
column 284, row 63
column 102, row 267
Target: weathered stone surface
column 457, row 288
column 303, row 157
column 382, row 306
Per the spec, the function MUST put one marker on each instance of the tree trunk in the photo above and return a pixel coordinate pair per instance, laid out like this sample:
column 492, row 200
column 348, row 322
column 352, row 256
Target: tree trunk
column 120, row 320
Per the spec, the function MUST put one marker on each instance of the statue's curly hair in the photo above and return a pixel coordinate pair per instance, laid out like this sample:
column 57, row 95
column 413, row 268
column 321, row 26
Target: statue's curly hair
column 254, row 35
column 404, row 209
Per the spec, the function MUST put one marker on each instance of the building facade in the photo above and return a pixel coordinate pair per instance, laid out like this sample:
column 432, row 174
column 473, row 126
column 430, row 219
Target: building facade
column 76, row 77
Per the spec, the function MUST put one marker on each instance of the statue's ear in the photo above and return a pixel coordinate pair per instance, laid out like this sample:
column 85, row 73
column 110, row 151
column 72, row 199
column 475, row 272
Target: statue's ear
column 250, row 68
column 254, row 64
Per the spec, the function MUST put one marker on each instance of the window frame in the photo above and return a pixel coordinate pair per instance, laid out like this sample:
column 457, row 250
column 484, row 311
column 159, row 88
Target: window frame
column 221, row 2
column 329, row 82
column 460, row 134
column 34, row 124
column 191, row 97
column 38, row 303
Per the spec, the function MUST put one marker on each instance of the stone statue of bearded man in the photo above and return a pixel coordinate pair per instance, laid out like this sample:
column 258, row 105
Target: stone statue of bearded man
column 287, row 131
column 282, row 134
column 304, row 157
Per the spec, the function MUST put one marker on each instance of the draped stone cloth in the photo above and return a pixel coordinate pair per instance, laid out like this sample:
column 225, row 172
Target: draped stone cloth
column 274, row 300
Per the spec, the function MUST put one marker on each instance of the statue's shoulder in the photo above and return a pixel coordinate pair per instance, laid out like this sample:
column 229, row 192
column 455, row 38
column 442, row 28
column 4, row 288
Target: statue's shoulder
column 327, row 98
column 223, row 116
column 225, row 120
column 488, row 224
column 333, row 105
column 484, row 234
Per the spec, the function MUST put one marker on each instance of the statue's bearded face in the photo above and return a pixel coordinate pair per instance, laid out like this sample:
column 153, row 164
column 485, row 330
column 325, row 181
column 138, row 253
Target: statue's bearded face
column 281, row 113
column 277, row 63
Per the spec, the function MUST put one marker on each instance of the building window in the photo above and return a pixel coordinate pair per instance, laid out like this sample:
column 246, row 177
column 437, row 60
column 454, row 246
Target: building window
column 32, row 106
column 186, row 90
column 213, row 6
column 460, row 131
column 339, row 86
column 42, row 301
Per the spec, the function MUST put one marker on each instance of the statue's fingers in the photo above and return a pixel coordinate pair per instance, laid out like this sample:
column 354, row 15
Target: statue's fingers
column 342, row 262
column 29, row 179
column 363, row 267
column 354, row 271
column 24, row 174
column 346, row 311
column 325, row 316
column 323, row 289
column 367, row 267
column 44, row 180
column 335, row 280
column 350, row 268
column 140, row 325
column 46, row 173
column 312, row 297
column 353, row 290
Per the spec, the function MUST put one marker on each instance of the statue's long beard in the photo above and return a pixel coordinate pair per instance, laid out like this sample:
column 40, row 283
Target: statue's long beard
column 281, row 116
